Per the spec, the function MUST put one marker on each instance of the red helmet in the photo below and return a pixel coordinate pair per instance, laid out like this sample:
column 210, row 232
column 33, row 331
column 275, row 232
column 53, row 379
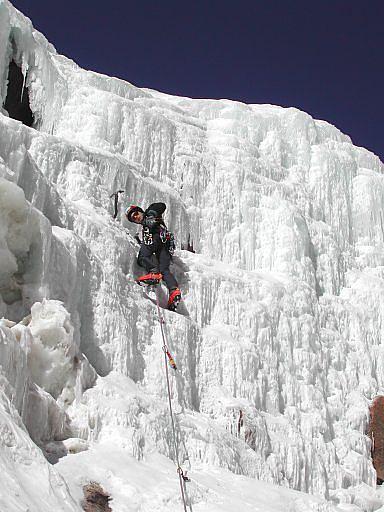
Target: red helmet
column 132, row 209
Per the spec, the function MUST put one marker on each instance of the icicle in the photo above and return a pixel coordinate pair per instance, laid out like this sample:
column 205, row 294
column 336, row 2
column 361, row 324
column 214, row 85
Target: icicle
column 24, row 69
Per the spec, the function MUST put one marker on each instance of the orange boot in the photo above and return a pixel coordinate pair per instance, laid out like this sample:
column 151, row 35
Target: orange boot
column 150, row 279
column 174, row 299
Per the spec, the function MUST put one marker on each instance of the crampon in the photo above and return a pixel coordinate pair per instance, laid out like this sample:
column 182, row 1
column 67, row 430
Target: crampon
column 174, row 299
column 150, row 279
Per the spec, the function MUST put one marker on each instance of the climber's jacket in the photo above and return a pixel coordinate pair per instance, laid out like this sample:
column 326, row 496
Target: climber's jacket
column 154, row 229
column 153, row 222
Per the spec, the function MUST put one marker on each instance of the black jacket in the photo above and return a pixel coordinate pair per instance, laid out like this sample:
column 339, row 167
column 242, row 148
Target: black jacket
column 153, row 223
column 153, row 216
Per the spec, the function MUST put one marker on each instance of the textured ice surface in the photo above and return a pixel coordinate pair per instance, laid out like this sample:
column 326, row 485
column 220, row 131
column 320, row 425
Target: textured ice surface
column 279, row 345
column 28, row 481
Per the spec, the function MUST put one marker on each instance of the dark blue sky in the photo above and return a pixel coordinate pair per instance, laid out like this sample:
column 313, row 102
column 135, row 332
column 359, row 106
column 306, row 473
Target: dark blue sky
column 325, row 57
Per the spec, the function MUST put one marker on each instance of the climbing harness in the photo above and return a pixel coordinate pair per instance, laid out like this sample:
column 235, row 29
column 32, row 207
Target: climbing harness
column 115, row 195
column 168, row 239
column 168, row 358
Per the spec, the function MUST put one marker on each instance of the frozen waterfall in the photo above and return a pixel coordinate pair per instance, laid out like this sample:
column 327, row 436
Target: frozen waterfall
column 278, row 345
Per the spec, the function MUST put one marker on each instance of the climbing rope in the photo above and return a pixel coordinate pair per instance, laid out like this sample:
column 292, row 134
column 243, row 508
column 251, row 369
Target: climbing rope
column 168, row 358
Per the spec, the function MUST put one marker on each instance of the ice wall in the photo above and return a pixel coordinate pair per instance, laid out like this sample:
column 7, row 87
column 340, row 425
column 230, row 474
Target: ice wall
column 279, row 347
column 29, row 415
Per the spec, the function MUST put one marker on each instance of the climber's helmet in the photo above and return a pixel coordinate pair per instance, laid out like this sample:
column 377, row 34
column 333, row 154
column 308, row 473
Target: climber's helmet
column 134, row 214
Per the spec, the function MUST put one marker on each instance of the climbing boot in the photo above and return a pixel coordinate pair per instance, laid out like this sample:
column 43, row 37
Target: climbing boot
column 174, row 299
column 150, row 279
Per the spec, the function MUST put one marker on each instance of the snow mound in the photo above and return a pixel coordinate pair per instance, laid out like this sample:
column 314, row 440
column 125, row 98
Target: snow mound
column 54, row 355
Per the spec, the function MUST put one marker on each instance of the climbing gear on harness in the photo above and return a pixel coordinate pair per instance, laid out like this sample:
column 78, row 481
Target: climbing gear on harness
column 182, row 478
column 174, row 299
column 170, row 243
column 168, row 239
column 150, row 279
column 115, row 195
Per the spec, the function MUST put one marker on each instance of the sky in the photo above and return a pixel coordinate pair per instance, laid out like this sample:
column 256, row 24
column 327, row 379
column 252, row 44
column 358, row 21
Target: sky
column 324, row 57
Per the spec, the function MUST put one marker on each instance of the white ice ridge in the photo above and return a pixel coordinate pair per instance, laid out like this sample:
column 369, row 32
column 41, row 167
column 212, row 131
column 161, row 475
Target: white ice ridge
column 279, row 341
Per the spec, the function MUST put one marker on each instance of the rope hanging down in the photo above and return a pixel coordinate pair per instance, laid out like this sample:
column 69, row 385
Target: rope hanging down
column 167, row 356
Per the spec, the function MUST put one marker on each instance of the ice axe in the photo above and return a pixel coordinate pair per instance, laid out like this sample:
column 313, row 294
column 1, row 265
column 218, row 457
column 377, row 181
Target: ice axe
column 115, row 195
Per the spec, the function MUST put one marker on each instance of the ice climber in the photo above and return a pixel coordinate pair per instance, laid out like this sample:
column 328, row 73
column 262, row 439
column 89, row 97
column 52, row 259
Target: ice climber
column 156, row 249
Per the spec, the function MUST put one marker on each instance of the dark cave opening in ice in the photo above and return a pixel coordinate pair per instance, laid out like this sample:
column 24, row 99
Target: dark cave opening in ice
column 17, row 100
